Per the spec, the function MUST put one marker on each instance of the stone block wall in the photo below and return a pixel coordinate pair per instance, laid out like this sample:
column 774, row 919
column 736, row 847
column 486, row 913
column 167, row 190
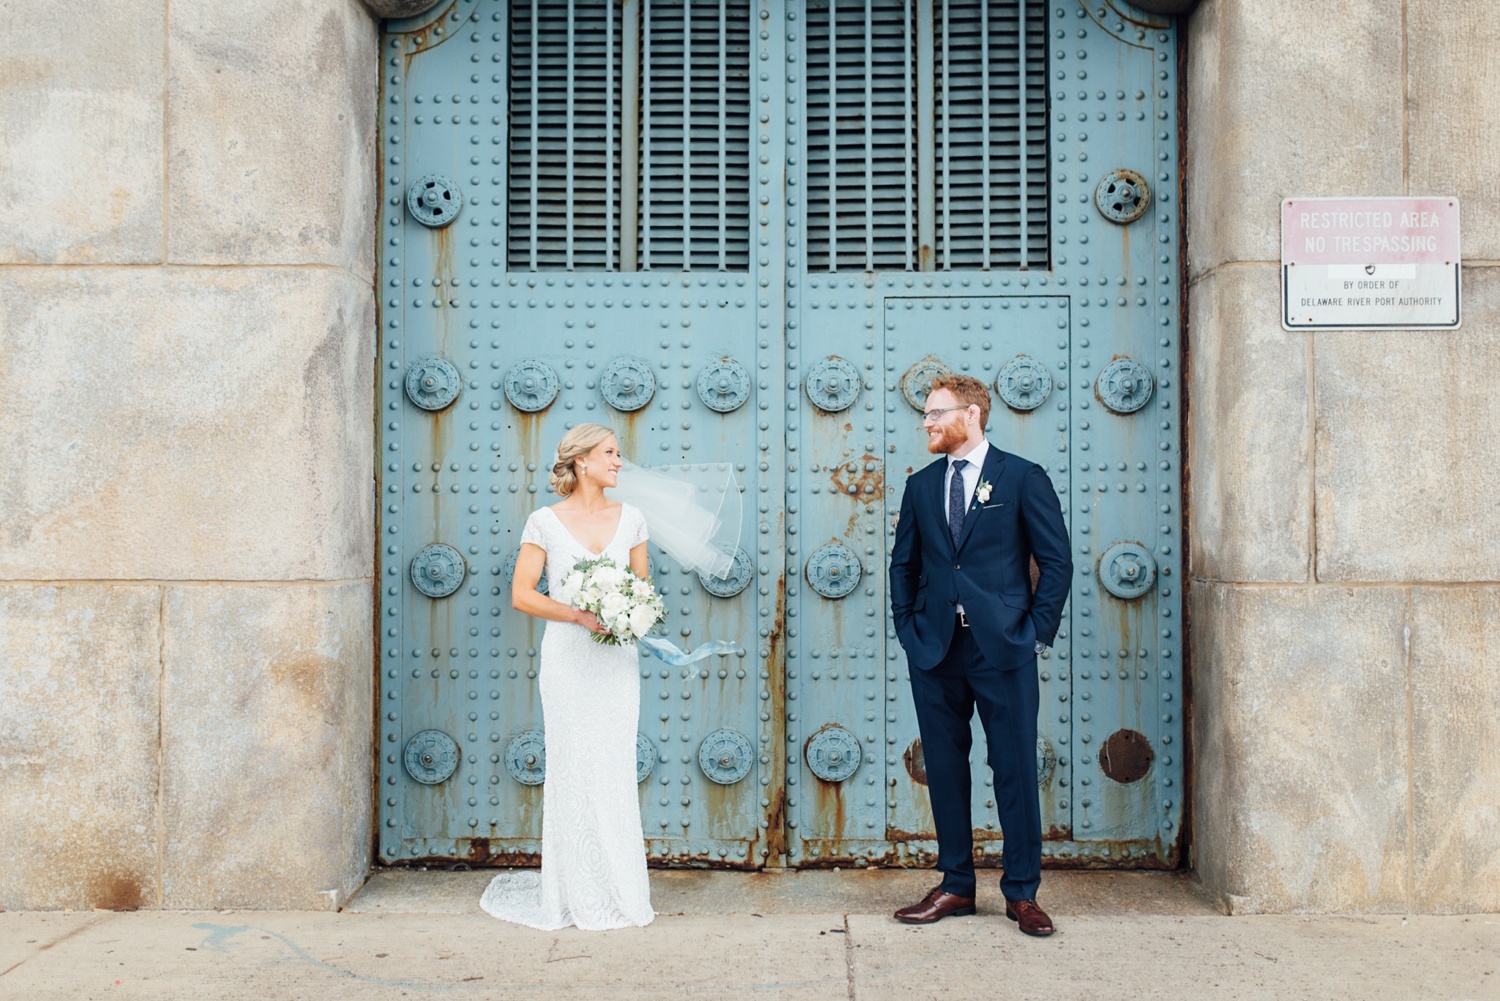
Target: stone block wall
column 1343, row 492
column 187, row 332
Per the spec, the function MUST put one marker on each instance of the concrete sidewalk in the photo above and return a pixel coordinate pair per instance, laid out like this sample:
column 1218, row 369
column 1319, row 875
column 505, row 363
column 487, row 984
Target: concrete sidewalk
column 813, row 935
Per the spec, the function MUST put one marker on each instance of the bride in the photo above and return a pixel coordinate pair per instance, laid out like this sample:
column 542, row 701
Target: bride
column 593, row 852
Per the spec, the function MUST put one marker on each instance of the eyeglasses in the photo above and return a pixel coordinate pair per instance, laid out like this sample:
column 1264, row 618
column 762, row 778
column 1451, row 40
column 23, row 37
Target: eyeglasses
column 929, row 416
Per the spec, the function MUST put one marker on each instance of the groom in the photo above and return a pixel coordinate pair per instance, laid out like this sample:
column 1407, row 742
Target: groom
column 964, row 610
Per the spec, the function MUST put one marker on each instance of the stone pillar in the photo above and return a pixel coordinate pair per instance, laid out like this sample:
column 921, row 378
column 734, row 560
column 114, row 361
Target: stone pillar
column 1345, row 534
column 187, row 322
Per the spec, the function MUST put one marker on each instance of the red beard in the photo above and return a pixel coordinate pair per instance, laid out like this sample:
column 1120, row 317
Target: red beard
column 952, row 436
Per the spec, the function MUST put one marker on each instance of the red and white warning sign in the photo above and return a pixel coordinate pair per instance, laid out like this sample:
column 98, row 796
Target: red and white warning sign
column 1369, row 263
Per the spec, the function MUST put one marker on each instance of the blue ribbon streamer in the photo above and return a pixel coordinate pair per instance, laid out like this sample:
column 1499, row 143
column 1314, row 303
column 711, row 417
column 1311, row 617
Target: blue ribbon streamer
column 672, row 654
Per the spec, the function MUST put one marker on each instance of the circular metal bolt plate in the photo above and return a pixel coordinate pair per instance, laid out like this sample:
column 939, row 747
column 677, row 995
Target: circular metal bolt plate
column 437, row 570
column 526, row 757
column 833, row 754
column 430, row 757
column 1046, row 761
column 917, row 382
column 834, row 570
column 725, row 757
column 1124, row 386
column 432, row 382
column 915, row 762
column 738, row 579
column 1122, row 196
column 627, row 383
column 724, row 385
column 1024, row 383
column 1127, row 570
column 1126, row 756
column 645, row 757
column 510, row 571
column 531, row 385
column 833, row 384
column 433, row 200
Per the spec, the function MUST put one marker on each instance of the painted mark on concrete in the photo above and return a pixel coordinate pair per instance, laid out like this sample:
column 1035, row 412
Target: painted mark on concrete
column 219, row 935
column 221, row 938
column 61, row 938
column 219, row 941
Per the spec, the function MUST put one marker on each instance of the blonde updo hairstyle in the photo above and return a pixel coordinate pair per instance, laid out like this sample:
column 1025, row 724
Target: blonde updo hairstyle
column 577, row 443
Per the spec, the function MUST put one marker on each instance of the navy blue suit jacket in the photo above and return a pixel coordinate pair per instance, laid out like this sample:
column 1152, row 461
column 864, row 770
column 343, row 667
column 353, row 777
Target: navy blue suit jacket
column 989, row 573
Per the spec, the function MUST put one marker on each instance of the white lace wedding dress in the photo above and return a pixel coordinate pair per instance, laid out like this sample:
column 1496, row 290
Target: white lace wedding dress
column 593, row 853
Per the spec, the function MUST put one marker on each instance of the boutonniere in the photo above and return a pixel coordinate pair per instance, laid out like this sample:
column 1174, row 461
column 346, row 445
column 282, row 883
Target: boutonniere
column 982, row 493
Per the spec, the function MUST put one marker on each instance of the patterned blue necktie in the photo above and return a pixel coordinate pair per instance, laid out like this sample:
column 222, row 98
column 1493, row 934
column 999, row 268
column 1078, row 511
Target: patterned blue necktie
column 956, row 500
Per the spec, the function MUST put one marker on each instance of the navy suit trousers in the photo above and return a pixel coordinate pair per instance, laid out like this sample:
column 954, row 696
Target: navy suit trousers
column 946, row 697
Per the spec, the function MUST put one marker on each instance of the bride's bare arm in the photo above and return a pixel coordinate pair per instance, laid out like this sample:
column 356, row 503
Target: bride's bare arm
column 524, row 597
column 638, row 564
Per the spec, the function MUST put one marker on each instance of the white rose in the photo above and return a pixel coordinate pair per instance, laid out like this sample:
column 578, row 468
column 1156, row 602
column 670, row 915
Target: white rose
column 642, row 618
column 614, row 607
column 567, row 592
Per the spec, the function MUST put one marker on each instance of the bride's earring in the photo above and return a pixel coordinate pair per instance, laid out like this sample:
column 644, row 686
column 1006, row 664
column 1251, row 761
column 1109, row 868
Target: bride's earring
column 583, row 467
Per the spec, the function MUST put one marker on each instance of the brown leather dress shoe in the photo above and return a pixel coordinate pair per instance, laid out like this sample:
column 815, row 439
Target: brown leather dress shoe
column 1031, row 918
column 934, row 907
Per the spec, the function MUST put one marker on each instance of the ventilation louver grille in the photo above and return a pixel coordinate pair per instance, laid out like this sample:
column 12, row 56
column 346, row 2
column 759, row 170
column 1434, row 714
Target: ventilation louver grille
column 569, row 80
column 867, row 145
column 861, row 134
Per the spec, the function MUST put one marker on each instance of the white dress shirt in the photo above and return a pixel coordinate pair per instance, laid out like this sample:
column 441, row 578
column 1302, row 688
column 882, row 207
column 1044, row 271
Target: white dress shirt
column 975, row 459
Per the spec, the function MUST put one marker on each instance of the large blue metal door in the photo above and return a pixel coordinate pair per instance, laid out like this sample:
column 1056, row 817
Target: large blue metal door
column 752, row 231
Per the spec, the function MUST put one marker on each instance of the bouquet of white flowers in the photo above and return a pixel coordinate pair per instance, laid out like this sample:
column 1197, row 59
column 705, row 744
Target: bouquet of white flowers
column 627, row 605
